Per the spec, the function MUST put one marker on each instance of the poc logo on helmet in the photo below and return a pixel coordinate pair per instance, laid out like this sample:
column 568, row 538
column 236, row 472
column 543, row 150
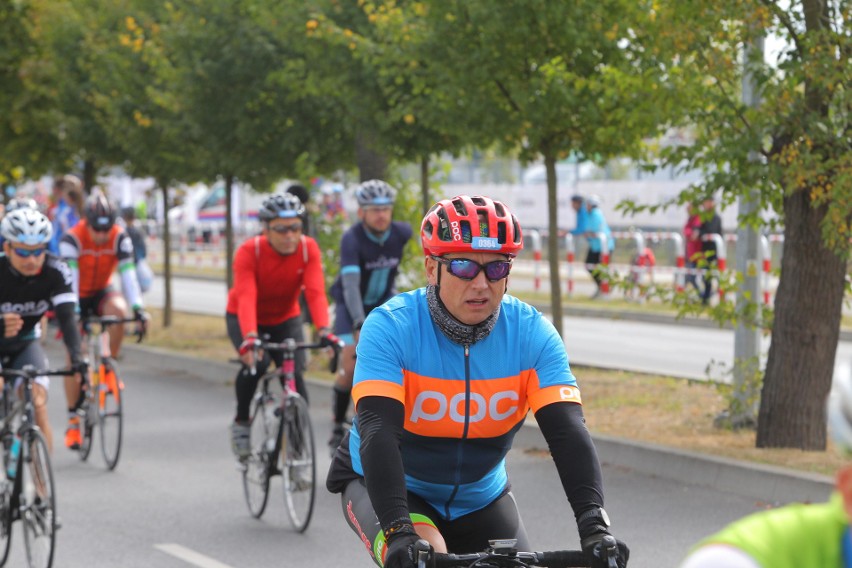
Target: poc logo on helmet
column 456, row 230
column 449, row 409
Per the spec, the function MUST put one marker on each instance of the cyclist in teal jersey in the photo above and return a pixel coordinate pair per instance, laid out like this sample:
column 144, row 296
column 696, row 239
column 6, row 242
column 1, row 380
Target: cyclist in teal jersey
column 795, row 535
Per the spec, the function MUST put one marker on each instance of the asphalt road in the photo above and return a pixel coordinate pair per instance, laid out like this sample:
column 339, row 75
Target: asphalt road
column 175, row 499
column 669, row 349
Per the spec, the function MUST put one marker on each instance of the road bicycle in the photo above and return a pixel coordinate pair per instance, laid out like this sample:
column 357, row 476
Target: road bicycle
column 503, row 554
column 27, row 491
column 282, row 438
column 103, row 391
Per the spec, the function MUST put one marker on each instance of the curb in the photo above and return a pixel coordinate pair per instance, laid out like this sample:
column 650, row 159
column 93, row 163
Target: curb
column 762, row 482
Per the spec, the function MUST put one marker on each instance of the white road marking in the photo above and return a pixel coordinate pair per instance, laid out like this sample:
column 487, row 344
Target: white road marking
column 190, row 556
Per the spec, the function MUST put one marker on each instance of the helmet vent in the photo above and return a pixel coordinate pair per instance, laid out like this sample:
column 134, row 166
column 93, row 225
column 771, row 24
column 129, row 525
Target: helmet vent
column 460, row 208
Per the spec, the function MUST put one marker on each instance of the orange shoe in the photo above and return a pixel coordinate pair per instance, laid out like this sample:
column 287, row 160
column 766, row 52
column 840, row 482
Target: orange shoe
column 73, row 439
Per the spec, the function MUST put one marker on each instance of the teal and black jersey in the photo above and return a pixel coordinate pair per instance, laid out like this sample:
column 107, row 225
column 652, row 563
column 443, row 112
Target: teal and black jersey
column 375, row 259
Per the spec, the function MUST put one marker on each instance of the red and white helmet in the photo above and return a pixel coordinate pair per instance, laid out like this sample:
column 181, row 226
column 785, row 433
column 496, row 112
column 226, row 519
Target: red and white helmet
column 470, row 224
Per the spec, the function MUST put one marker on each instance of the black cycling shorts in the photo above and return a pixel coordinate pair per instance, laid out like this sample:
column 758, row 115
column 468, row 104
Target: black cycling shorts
column 469, row 533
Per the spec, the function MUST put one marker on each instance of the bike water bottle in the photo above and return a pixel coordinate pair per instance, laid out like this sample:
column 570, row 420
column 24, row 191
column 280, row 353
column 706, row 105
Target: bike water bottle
column 14, row 454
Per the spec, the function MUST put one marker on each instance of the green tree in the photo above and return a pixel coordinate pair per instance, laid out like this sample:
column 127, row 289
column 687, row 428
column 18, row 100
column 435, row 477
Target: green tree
column 138, row 107
column 544, row 79
column 236, row 96
column 804, row 174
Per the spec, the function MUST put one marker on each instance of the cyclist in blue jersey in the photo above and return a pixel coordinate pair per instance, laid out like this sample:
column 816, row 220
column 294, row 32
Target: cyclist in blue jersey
column 370, row 253
column 445, row 377
column 798, row 534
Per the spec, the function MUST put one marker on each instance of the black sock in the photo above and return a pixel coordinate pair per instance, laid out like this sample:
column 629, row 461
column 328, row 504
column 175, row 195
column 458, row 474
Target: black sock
column 341, row 403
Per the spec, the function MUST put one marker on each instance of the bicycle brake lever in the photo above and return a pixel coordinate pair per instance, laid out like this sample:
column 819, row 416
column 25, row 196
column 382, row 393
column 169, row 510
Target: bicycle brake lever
column 609, row 551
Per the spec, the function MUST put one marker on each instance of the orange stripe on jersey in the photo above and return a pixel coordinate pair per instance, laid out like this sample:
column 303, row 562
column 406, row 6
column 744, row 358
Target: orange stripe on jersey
column 555, row 393
column 436, row 407
column 378, row 388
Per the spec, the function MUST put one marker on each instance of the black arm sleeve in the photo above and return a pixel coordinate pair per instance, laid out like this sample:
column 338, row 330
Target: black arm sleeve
column 571, row 446
column 380, row 422
column 67, row 317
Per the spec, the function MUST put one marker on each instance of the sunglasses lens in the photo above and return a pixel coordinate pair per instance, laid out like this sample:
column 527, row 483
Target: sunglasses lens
column 464, row 269
column 497, row 270
column 287, row 228
column 26, row 253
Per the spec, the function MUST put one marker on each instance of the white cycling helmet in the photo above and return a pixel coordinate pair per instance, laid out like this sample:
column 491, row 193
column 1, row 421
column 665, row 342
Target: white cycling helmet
column 282, row 205
column 26, row 226
column 840, row 412
column 21, row 203
column 375, row 192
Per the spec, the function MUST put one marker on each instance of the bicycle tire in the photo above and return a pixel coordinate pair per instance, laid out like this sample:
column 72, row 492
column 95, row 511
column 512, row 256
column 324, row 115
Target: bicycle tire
column 257, row 467
column 299, row 464
column 5, row 520
column 38, row 501
column 111, row 414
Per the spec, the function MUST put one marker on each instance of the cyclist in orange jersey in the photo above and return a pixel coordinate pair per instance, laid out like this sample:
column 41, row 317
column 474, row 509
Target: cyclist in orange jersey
column 94, row 248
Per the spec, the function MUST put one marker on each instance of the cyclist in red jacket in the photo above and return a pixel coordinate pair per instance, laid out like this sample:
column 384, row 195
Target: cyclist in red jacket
column 270, row 271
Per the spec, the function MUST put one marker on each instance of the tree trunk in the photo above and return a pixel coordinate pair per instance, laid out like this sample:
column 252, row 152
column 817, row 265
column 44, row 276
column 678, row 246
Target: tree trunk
column 229, row 232
column 372, row 164
column 167, row 257
column 553, row 243
column 424, row 184
column 804, row 334
column 89, row 176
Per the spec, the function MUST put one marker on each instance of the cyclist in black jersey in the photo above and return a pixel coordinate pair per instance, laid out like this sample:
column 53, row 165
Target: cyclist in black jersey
column 31, row 281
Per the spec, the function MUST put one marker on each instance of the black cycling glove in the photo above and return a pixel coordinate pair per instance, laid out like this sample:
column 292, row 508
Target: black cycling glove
column 400, row 552
column 593, row 526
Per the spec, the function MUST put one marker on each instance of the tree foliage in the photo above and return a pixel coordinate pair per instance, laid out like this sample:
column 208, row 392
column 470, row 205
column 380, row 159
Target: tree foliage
column 800, row 131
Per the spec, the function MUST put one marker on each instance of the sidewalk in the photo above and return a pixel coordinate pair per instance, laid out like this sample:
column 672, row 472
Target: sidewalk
column 752, row 480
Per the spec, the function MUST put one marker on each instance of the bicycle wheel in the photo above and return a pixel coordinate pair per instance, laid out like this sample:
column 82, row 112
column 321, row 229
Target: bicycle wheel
column 5, row 520
column 38, row 501
column 257, row 467
column 298, row 467
column 110, row 415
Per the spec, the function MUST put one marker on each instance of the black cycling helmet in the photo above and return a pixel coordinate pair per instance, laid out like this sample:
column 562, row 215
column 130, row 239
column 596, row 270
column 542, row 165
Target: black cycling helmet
column 280, row 206
column 375, row 192
column 100, row 213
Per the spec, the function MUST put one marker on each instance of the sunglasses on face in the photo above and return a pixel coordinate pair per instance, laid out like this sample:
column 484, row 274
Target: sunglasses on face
column 26, row 253
column 467, row 269
column 283, row 229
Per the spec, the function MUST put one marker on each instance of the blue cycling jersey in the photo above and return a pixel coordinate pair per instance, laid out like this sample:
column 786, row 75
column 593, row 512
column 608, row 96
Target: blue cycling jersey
column 463, row 406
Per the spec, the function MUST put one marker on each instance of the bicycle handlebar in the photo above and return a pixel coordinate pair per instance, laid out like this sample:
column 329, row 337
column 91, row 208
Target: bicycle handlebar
column 106, row 321
column 28, row 371
column 502, row 554
column 292, row 346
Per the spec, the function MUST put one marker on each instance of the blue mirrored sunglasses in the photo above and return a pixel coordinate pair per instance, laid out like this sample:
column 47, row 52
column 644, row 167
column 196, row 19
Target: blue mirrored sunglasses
column 467, row 269
column 26, row 253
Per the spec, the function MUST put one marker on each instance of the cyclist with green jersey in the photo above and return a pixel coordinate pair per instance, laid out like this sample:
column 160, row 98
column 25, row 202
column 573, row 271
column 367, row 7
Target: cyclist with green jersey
column 795, row 535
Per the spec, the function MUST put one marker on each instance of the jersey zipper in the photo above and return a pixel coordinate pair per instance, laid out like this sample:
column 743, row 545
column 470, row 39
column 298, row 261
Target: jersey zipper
column 460, row 447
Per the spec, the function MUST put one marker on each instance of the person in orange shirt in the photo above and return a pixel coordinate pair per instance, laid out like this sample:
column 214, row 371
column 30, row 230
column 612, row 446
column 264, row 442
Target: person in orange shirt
column 94, row 248
column 270, row 271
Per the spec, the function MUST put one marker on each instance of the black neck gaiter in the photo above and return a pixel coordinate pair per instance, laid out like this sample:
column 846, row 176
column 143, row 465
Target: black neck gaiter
column 455, row 330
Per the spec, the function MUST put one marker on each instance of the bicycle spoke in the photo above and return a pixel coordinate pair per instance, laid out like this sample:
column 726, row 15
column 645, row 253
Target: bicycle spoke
column 298, row 467
column 38, row 502
column 257, row 467
column 111, row 416
column 5, row 517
